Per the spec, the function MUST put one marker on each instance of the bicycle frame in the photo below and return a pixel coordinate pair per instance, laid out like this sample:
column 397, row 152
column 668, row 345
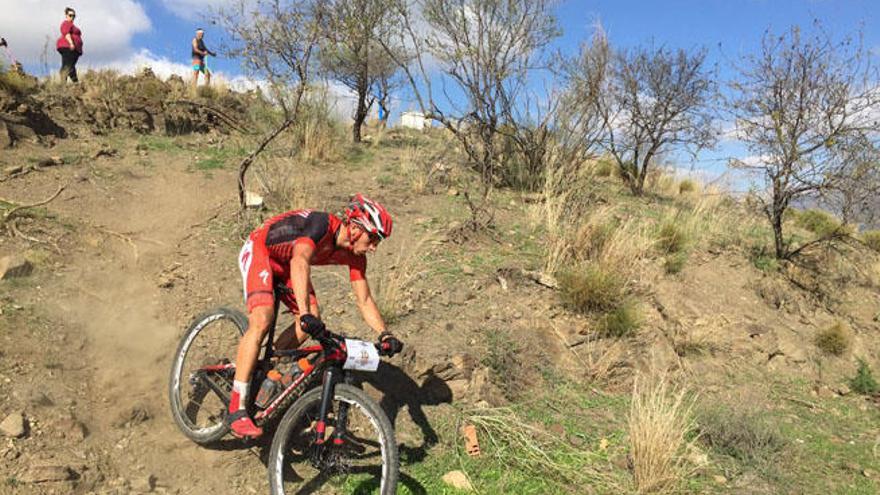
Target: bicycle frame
column 329, row 361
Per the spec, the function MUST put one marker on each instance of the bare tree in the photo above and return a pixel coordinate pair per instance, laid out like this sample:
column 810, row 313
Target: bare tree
column 654, row 100
column 275, row 40
column 807, row 108
column 484, row 49
column 352, row 54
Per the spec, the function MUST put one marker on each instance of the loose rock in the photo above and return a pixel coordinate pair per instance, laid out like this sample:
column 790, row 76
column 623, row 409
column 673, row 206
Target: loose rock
column 14, row 266
column 44, row 472
column 458, row 480
column 14, row 425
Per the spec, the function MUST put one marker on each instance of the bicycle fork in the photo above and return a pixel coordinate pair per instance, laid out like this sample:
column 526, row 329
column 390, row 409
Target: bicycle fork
column 328, row 391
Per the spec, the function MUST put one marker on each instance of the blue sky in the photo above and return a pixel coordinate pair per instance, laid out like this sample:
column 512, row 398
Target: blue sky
column 127, row 34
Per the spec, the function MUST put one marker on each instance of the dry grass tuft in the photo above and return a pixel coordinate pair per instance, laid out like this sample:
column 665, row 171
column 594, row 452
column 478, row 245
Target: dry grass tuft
column 871, row 238
column 392, row 286
column 659, row 421
column 834, row 340
column 687, row 186
column 516, row 443
column 285, row 185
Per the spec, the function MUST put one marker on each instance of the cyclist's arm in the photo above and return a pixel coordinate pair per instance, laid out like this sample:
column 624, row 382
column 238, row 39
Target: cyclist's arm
column 300, row 273
column 367, row 305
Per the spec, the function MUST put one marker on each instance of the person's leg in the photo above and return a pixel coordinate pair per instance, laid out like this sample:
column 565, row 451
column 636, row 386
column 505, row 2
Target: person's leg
column 257, row 276
column 65, row 64
column 207, row 78
column 74, row 58
column 196, row 67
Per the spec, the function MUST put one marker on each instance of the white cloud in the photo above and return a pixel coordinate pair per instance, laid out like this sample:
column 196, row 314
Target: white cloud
column 32, row 25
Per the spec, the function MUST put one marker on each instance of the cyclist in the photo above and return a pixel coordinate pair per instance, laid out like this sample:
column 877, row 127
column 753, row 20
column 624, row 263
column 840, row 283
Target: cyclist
column 283, row 250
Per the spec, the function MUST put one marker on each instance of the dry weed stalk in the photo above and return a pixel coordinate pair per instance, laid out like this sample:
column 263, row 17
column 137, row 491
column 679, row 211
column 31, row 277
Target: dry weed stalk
column 412, row 161
column 284, row 183
column 392, row 287
column 660, row 418
column 600, row 362
column 514, row 442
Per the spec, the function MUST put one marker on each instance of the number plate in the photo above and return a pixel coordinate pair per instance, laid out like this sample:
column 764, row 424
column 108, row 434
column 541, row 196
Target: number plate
column 362, row 356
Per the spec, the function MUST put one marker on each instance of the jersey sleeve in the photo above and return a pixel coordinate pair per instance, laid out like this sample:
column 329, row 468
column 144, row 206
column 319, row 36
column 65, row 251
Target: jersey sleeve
column 315, row 228
column 357, row 268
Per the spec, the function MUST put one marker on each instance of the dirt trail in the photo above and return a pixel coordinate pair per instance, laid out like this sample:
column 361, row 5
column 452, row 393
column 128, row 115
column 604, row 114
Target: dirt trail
column 111, row 293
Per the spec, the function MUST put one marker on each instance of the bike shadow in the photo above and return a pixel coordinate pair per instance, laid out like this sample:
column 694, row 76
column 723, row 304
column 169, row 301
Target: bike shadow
column 400, row 391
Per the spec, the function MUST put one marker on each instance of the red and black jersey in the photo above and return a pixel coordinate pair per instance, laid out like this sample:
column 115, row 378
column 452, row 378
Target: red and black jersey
column 265, row 258
column 317, row 228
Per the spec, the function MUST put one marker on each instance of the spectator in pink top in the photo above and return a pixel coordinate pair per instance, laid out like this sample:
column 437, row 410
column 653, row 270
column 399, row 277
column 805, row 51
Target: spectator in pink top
column 69, row 45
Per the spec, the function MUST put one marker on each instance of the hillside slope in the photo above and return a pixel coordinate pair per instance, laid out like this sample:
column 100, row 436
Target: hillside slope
column 143, row 239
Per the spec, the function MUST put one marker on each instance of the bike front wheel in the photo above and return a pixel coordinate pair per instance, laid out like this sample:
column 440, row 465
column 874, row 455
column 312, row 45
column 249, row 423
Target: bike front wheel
column 197, row 407
column 365, row 462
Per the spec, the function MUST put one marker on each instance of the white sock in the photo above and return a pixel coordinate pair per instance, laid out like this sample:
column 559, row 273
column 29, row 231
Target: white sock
column 242, row 389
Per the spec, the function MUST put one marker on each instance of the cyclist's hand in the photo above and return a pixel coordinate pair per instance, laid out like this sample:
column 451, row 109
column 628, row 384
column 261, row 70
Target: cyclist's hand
column 389, row 345
column 312, row 325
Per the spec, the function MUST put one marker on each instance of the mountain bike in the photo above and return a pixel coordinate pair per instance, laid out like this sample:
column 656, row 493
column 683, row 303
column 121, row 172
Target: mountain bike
column 330, row 430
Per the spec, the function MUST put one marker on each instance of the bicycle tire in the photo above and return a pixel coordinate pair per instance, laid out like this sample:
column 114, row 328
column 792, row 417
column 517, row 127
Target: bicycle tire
column 216, row 430
column 353, row 396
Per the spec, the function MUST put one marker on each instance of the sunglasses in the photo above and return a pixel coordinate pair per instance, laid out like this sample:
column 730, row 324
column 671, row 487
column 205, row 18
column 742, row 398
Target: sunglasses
column 375, row 238
column 71, row 15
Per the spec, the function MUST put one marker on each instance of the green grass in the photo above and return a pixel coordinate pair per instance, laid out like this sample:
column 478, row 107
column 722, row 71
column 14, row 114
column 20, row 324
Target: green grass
column 671, row 236
column 159, row 143
column 766, row 263
column 621, row 321
column 560, row 450
column 674, row 263
column 358, row 156
column 219, row 158
column 385, row 180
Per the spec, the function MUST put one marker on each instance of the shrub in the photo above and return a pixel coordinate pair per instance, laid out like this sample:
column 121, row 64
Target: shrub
column 687, row 186
column 603, row 168
column 502, row 357
column 621, row 321
column 871, row 239
column 739, row 431
column 834, row 340
column 765, row 262
column 672, row 237
column 591, row 287
column 819, row 222
column 16, row 83
column 864, row 382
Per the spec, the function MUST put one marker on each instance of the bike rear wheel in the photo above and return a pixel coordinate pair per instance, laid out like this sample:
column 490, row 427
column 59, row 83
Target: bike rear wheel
column 211, row 339
column 367, row 462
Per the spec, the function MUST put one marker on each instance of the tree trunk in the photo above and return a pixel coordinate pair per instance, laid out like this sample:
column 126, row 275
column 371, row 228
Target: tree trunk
column 778, row 239
column 360, row 114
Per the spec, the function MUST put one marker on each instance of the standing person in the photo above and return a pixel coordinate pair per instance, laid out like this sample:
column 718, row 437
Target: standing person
column 199, row 52
column 69, row 45
column 282, row 251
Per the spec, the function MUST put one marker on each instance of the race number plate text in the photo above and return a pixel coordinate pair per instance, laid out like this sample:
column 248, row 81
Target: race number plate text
column 362, row 356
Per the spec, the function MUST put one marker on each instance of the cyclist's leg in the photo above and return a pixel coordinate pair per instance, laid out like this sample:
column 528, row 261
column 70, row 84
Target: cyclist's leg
column 256, row 272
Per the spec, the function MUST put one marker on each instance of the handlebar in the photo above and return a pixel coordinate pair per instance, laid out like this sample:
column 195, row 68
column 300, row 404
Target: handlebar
column 330, row 341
